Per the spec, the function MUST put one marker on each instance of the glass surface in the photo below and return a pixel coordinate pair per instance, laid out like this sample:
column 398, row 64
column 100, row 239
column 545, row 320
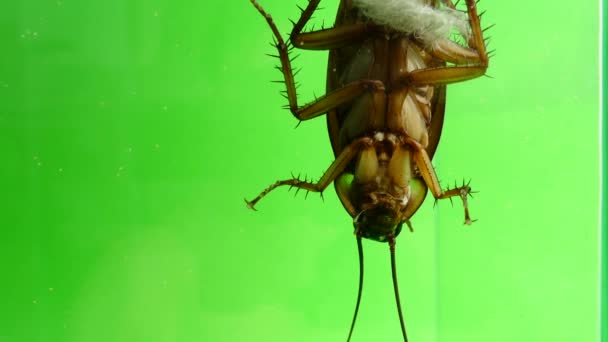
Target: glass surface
column 131, row 131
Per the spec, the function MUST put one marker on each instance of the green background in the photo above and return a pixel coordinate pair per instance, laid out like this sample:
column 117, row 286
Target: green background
column 131, row 131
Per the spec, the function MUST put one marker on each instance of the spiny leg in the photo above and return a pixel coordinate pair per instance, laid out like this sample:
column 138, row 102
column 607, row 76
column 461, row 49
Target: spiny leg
column 330, row 38
column 334, row 170
column 360, row 251
column 323, row 39
column 463, row 192
column 425, row 167
column 475, row 58
column 475, row 22
column 391, row 244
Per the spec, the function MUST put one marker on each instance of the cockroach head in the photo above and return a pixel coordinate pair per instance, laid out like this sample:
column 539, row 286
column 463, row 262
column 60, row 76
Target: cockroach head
column 378, row 223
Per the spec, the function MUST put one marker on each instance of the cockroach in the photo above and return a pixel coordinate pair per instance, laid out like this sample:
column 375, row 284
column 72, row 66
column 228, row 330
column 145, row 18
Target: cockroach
column 389, row 63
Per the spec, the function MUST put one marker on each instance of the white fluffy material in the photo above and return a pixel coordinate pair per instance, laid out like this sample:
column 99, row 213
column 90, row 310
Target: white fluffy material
column 415, row 17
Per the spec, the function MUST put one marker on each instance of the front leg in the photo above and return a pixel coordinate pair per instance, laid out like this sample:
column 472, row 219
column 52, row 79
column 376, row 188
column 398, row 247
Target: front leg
column 422, row 160
column 334, row 170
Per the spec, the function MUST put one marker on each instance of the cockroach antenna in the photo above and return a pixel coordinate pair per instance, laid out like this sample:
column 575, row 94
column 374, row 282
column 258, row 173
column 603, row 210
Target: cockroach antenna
column 360, row 251
column 391, row 244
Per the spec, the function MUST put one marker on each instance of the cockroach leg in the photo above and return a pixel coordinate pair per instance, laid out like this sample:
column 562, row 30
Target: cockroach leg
column 331, row 38
column 453, row 52
column 334, row 170
column 425, row 167
column 477, row 39
column 323, row 39
column 444, row 75
column 471, row 63
column 462, row 192
column 326, row 39
column 338, row 97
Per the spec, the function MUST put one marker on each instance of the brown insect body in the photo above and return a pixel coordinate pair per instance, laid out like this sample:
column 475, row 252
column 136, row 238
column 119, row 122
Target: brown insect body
column 382, row 190
column 385, row 105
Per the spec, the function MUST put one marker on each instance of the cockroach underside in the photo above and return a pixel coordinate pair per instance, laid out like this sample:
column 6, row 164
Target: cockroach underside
column 385, row 103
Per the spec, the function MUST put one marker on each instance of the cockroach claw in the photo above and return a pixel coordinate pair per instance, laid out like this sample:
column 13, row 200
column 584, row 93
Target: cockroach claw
column 473, row 192
column 250, row 205
column 464, row 192
column 468, row 221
